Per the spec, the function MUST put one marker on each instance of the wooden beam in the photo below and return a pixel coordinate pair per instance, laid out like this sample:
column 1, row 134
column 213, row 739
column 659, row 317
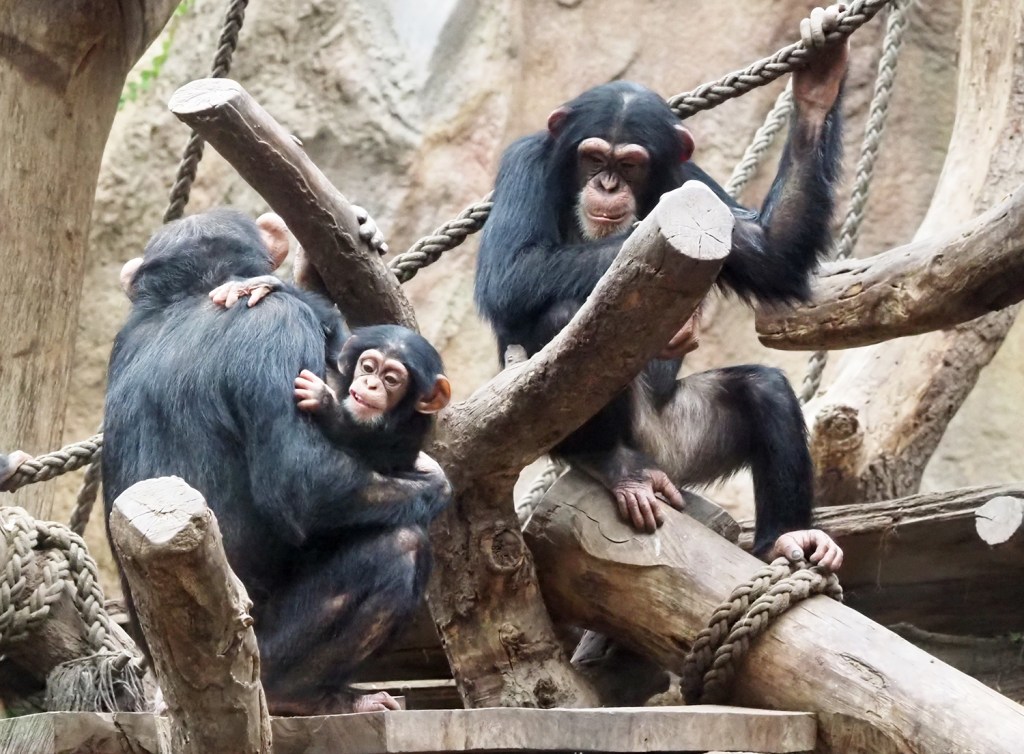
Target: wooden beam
column 931, row 284
column 483, row 593
column 872, row 691
column 420, row 732
column 951, row 562
column 322, row 220
column 194, row 613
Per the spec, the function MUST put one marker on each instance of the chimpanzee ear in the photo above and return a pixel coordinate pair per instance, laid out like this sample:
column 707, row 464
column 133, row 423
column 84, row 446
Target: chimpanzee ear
column 557, row 119
column 274, row 233
column 686, row 144
column 128, row 275
column 439, row 397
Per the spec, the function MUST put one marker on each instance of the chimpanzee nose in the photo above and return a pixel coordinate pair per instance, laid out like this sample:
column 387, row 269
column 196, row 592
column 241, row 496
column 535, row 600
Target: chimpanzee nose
column 609, row 182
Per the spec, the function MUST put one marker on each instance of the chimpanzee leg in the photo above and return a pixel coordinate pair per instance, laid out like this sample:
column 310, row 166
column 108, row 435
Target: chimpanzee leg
column 342, row 605
column 722, row 420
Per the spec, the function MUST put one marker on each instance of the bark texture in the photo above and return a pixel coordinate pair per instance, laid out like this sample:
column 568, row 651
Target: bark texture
column 876, row 427
column 194, row 613
column 871, row 690
column 62, row 65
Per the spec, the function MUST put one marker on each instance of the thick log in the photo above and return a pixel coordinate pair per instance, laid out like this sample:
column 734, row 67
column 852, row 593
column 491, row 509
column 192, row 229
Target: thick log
column 483, row 593
column 876, row 427
column 194, row 613
column 428, row 731
column 931, row 284
column 322, row 220
column 951, row 562
column 62, row 67
column 872, row 691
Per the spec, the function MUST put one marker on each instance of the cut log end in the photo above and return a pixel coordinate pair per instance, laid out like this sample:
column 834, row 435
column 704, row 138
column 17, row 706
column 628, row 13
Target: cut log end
column 695, row 221
column 164, row 512
column 998, row 520
column 203, row 95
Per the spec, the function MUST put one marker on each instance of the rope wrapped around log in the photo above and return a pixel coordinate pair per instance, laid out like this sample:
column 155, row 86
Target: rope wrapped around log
column 111, row 678
column 720, row 648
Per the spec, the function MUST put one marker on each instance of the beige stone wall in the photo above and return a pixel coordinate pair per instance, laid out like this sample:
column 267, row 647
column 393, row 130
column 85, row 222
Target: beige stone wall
column 406, row 106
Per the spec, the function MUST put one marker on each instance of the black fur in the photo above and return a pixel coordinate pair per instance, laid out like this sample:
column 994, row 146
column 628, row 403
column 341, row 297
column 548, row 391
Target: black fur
column 206, row 394
column 535, row 269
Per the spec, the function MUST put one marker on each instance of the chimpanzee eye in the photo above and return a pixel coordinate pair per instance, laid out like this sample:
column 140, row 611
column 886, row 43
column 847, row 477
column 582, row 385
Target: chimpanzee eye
column 390, row 380
column 366, row 365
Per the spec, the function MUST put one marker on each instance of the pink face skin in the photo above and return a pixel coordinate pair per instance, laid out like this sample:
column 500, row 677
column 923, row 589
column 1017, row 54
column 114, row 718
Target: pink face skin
column 378, row 386
column 611, row 176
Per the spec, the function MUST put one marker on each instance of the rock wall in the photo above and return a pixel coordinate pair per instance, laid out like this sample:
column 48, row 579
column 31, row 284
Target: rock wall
column 406, row 106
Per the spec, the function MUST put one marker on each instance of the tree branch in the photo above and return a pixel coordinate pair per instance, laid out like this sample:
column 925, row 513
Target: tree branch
column 322, row 220
column 932, row 284
column 661, row 274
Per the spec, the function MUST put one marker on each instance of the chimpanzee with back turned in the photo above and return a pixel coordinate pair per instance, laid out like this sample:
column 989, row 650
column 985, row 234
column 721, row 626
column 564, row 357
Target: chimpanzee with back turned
column 564, row 201
column 332, row 552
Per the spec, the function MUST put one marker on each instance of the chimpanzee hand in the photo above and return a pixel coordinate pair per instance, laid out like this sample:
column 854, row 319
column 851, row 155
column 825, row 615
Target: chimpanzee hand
column 369, row 232
column 382, row 701
column 685, row 340
column 640, row 498
column 816, row 86
column 795, row 545
column 427, row 465
column 256, row 288
column 10, row 463
column 313, row 394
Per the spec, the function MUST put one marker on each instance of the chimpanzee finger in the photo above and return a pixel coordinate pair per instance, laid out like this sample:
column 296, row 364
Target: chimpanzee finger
column 646, row 503
column 664, row 487
column 821, row 545
column 258, row 293
column 635, row 516
column 232, row 297
column 219, row 294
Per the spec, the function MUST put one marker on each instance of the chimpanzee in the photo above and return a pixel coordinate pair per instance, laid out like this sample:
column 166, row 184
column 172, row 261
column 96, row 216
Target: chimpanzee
column 564, row 201
column 333, row 553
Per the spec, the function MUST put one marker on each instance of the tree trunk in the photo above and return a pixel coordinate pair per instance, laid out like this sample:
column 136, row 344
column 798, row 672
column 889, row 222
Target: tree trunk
column 874, row 430
column 62, row 66
column 873, row 692
column 194, row 613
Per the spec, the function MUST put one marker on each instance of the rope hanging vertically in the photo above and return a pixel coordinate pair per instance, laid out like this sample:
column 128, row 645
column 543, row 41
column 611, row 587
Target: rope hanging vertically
column 194, row 149
column 877, row 116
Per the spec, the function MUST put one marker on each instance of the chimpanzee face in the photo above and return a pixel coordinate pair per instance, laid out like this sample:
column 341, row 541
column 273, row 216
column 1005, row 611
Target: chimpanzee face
column 378, row 385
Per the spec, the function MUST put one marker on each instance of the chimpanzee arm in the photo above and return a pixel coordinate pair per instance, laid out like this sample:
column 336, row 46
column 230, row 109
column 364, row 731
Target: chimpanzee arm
column 310, row 488
column 775, row 250
column 522, row 270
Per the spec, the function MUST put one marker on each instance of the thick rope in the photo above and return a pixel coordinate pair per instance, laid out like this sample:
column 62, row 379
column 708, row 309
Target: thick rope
column 66, row 568
column 746, row 168
column 428, row 249
column 87, row 496
column 45, row 467
column 877, row 116
column 194, row 149
column 529, row 500
column 719, row 649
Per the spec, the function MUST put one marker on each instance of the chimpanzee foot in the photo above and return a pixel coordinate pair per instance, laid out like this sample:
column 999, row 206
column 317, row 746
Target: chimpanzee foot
column 381, row 701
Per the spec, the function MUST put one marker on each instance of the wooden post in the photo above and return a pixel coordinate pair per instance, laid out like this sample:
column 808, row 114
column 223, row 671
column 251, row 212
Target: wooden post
column 194, row 613
column 872, row 691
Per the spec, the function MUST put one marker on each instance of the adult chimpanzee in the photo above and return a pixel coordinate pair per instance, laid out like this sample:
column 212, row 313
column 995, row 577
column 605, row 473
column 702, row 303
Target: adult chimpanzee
column 333, row 553
column 564, row 201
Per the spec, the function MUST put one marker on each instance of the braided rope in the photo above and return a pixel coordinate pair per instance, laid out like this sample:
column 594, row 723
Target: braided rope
column 67, row 565
column 763, row 139
column 892, row 44
column 429, row 248
column 529, row 500
column 45, row 467
column 710, row 668
column 193, row 153
column 766, row 70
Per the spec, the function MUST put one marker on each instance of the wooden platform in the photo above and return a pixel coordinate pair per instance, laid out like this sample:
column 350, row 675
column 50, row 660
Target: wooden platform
column 641, row 729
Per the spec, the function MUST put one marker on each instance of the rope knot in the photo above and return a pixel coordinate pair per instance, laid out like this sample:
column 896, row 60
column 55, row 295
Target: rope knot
column 814, row 30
